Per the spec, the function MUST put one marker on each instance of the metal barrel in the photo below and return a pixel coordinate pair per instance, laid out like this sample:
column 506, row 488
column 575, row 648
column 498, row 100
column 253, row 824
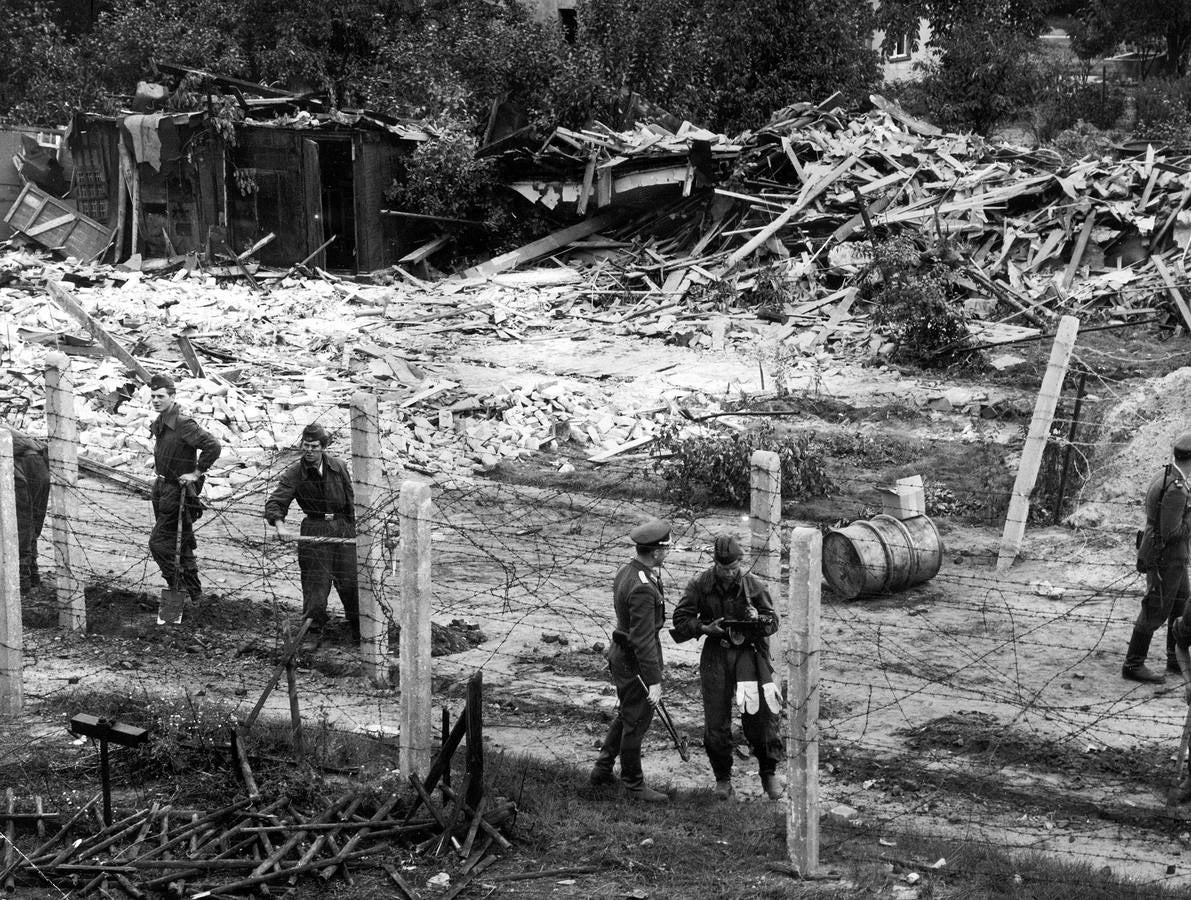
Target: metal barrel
column 881, row 555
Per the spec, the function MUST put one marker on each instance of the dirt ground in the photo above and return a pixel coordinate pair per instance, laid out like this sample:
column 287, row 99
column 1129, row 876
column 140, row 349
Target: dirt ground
column 985, row 706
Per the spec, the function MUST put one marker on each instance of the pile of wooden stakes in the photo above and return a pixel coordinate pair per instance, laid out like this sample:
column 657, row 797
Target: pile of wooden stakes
column 250, row 844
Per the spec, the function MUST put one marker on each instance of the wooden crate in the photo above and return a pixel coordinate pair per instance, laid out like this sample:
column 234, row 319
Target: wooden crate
column 57, row 226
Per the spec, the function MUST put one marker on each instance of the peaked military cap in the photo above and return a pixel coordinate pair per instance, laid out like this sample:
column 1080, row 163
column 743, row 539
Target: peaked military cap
column 654, row 533
column 1182, row 445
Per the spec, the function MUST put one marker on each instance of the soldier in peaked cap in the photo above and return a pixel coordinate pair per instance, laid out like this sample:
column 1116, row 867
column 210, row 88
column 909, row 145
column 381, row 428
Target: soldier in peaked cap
column 1162, row 555
column 635, row 659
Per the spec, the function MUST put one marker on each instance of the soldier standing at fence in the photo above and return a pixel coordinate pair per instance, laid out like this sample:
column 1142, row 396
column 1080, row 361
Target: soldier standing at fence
column 635, row 659
column 31, row 475
column 322, row 485
column 734, row 661
column 182, row 454
column 1162, row 555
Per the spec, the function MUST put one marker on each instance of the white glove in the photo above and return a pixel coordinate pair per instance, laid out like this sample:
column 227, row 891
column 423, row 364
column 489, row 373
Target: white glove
column 773, row 698
column 654, row 693
column 747, row 697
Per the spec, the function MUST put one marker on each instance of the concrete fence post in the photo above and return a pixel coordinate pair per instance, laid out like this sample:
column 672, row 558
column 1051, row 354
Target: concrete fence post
column 802, row 670
column 416, row 742
column 63, row 430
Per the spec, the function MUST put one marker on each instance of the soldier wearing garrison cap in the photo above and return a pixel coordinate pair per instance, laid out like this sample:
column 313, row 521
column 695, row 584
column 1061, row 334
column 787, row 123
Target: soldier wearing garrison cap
column 734, row 611
column 182, row 454
column 635, row 659
column 322, row 486
column 1162, row 555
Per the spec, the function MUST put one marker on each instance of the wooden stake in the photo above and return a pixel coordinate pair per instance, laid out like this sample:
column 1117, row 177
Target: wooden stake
column 474, row 713
column 1031, row 457
column 368, row 485
column 765, row 526
column 416, row 740
column 64, row 480
column 10, row 803
column 802, row 670
column 12, row 692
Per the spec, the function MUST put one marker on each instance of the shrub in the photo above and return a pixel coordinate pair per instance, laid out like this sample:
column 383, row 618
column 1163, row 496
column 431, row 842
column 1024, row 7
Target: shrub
column 1162, row 109
column 914, row 302
column 713, row 464
column 984, row 77
column 1063, row 102
column 1081, row 140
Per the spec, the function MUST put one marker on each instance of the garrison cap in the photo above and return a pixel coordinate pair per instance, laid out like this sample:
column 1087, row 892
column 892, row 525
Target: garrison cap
column 1182, row 446
column 654, row 533
column 727, row 549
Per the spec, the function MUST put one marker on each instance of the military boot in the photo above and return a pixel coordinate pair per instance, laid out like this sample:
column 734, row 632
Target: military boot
column 634, row 780
column 772, row 786
column 1134, row 668
column 644, row 794
column 1182, row 793
column 724, row 789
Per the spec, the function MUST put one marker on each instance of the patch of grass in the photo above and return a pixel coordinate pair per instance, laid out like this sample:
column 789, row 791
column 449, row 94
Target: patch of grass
column 696, row 846
column 187, row 754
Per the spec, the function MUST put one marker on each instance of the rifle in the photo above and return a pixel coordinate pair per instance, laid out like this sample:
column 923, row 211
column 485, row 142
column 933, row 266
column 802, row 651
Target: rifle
column 680, row 742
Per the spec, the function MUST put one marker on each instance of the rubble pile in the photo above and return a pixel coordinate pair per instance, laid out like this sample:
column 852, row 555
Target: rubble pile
column 271, row 362
column 1033, row 237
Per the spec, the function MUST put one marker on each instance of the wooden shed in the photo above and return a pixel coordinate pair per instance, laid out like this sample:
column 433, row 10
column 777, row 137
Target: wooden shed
column 171, row 183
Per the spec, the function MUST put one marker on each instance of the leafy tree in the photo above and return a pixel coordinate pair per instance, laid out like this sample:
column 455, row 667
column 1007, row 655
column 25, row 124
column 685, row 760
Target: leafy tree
column 985, row 67
column 42, row 78
column 1160, row 29
column 730, row 63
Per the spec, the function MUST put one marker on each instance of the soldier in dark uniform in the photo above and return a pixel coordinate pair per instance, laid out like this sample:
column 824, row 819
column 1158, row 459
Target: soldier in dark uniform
column 635, row 658
column 1180, row 630
column 733, row 663
column 31, row 474
column 182, row 454
column 322, row 485
column 1162, row 555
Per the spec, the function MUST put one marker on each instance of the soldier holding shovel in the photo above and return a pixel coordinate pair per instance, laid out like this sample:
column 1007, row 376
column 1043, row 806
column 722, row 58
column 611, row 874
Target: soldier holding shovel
column 182, row 454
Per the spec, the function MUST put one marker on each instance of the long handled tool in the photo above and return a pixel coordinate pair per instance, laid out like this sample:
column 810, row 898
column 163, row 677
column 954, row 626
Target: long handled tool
column 173, row 598
column 680, row 741
column 1181, row 770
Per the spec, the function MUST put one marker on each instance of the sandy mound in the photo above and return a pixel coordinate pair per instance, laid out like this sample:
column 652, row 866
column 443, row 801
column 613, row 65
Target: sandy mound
column 1133, row 444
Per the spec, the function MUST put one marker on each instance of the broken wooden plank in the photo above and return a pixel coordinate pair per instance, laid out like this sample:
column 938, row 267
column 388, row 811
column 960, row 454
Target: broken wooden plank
column 543, row 246
column 1172, row 288
column 67, row 303
column 424, row 252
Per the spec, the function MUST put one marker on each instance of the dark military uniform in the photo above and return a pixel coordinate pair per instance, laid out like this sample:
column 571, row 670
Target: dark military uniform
column 327, row 499
column 1163, row 556
column 31, row 474
column 722, row 663
column 640, row 605
column 181, row 447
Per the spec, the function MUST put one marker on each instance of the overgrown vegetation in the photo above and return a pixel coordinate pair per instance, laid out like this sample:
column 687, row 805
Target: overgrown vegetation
column 712, row 464
column 722, row 63
column 914, row 302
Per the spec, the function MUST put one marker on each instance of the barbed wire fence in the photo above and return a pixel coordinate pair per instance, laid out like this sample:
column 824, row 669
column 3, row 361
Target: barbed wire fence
column 969, row 693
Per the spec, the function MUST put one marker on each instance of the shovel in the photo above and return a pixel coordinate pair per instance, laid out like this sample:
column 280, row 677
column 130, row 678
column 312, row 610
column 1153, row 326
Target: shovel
column 173, row 598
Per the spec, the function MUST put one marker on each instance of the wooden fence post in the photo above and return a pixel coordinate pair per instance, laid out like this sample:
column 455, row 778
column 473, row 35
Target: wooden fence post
column 765, row 523
column 802, row 669
column 12, row 697
column 64, row 480
column 414, row 651
column 367, row 484
column 1031, row 455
